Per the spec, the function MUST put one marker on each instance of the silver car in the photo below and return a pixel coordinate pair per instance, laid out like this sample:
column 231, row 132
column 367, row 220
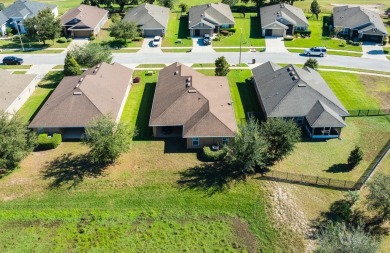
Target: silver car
column 316, row 51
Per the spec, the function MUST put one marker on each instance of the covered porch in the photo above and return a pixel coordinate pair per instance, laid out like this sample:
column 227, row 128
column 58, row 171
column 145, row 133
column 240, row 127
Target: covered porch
column 323, row 132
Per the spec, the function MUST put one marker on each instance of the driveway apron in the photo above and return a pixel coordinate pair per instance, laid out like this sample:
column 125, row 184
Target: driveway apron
column 199, row 47
column 275, row 45
column 373, row 51
column 147, row 46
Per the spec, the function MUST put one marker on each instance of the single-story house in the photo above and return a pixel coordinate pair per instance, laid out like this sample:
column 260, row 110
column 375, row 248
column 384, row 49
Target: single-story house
column 100, row 90
column 13, row 15
column 152, row 20
column 359, row 23
column 15, row 90
column 83, row 21
column 209, row 19
column 302, row 95
column 192, row 106
column 282, row 20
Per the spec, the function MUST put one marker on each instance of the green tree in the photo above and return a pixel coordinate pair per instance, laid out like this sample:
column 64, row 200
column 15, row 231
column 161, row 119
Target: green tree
column 230, row 2
column 281, row 136
column 337, row 238
column 315, row 8
column 249, row 148
column 16, row 141
column 167, row 3
column 183, row 7
column 71, row 67
column 378, row 198
column 221, row 66
column 116, row 18
column 44, row 26
column 91, row 54
column 311, row 63
column 107, row 140
column 355, row 157
column 2, row 6
column 259, row 3
column 123, row 30
column 290, row 2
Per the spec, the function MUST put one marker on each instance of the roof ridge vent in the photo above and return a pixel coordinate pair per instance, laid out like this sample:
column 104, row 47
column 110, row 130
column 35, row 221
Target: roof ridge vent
column 301, row 84
column 295, row 77
column 78, row 93
column 191, row 91
column 292, row 73
column 289, row 69
column 208, row 5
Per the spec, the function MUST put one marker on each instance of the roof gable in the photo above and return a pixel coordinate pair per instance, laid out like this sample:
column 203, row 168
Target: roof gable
column 88, row 16
column 216, row 13
column 321, row 115
column 148, row 16
column 24, row 9
column 291, row 14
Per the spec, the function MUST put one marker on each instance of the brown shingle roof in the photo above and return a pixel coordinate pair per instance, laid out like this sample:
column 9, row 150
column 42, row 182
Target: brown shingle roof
column 203, row 109
column 78, row 99
column 86, row 15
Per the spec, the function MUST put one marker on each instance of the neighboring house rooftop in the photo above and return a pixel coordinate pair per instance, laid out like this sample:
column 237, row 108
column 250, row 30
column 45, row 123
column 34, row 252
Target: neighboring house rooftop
column 11, row 86
column 78, row 99
column 201, row 104
column 293, row 91
column 23, row 9
column 277, row 13
column 211, row 14
column 83, row 16
column 357, row 17
column 148, row 16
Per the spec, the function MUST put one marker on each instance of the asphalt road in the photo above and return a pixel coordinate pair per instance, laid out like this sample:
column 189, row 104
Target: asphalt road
column 133, row 59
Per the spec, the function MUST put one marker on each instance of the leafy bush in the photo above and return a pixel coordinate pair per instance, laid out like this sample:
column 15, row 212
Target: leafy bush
column 217, row 38
column 45, row 142
column 211, row 155
column 92, row 37
column 137, row 79
column 137, row 39
column 232, row 30
column 305, row 32
column 342, row 43
column 356, row 43
column 289, row 38
column 61, row 40
column 69, row 40
column 224, row 32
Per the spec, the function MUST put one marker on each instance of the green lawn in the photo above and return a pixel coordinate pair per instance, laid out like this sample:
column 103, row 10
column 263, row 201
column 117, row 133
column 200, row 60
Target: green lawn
column 14, row 43
column 317, row 38
column 355, row 91
column 40, row 95
column 328, row 158
column 177, row 29
column 327, row 7
column 251, row 32
column 19, row 72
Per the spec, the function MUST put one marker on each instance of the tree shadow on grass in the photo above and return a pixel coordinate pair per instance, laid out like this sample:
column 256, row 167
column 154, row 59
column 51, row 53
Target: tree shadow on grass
column 255, row 32
column 210, row 178
column 183, row 32
column 248, row 97
column 339, row 168
column 71, row 170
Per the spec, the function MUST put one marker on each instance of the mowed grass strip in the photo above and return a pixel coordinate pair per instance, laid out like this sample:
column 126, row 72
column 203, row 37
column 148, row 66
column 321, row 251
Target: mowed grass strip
column 40, row 95
column 251, row 32
column 177, row 30
column 350, row 90
column 15, row 66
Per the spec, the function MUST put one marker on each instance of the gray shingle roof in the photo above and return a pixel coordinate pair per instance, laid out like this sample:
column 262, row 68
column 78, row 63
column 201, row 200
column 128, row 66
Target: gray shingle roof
column 282, row 96
column 78, row 99
column 11, row 86
column 213, row 14
column 323, row 116
column 204, row 109
column 280, row 13
column 357, row 18
column 23, row 9
column 149, row 16
column 85, row 16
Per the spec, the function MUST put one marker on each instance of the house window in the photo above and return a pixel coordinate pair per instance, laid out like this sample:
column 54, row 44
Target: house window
column 225, row 140
column 195, row 141
column 224, row 26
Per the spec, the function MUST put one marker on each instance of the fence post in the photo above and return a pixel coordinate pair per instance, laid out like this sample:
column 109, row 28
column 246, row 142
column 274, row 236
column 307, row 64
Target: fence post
column 287, row 175
column 329, row 181
column 317, row 180
column 345, row 183
column 301, row 178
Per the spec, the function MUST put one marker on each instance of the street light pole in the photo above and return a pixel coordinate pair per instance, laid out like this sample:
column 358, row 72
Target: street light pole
column 20, row 38
column 239, row 61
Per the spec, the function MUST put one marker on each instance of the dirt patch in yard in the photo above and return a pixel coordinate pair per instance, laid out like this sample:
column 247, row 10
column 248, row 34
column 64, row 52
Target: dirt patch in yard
column 244, row 235
column 379, row 88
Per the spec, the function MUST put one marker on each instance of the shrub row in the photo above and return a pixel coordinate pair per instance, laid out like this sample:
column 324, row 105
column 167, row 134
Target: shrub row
column 63, row 40
column 137, row 39
column 213, row 155
column 45, row 142
column 305, row 32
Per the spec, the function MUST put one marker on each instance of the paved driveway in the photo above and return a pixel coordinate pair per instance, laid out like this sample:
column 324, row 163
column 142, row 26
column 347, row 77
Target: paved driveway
column 77, row 42
column 147, row 46
column 373, row 51
column 199, row 47
column 275, row 45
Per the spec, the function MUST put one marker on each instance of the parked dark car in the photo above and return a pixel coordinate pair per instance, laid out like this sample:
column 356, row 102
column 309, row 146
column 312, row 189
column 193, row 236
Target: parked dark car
column 206, row 39
column 12, row 60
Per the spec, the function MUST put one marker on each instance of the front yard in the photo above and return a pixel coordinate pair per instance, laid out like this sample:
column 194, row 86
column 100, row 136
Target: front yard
column 251, row 32
column 319, row 37
column 177, row 33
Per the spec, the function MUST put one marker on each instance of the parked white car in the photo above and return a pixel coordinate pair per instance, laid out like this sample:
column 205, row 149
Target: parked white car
column 315, row 51
column 156, row 41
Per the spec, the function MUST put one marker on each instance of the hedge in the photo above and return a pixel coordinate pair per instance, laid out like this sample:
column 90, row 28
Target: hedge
column 45, row 142
column 137, row 39
column 305, row 32
column 233, row 30
column 213, row 155
column 61, row 40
